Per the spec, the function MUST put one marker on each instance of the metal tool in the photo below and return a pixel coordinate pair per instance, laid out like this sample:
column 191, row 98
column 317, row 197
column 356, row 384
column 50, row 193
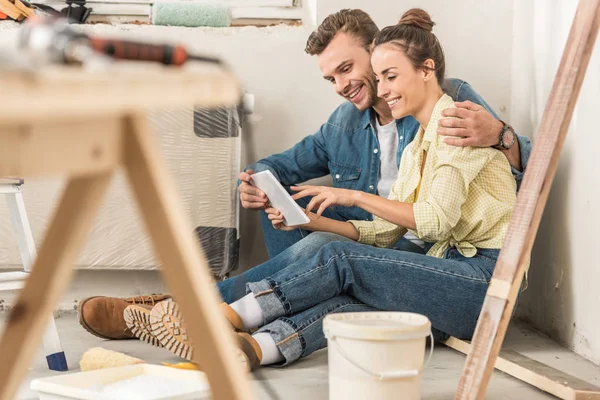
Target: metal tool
column 51, row 40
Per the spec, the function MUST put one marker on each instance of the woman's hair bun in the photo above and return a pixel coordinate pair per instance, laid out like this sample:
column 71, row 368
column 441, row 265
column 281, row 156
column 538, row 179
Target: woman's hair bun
column 418, row 18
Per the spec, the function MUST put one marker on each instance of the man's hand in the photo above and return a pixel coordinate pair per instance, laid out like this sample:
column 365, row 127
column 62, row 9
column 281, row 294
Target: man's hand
column 251, row 198
column 472, row 126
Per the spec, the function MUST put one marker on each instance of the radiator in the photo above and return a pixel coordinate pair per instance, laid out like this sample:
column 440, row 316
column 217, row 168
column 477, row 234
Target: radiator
column 202, row 151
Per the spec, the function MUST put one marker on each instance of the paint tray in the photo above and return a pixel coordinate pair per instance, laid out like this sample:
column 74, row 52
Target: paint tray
column 131, row 382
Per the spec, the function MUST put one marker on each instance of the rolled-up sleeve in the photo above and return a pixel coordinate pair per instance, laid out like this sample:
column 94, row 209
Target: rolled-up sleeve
column 379, row 232
column 525, row 149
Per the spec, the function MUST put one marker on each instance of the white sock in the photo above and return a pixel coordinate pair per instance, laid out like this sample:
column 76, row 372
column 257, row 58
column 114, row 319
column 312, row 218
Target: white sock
column 270, row 352
column 249, row 311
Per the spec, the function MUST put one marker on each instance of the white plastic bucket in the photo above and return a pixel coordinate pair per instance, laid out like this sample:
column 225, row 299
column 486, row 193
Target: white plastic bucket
column 376, row 355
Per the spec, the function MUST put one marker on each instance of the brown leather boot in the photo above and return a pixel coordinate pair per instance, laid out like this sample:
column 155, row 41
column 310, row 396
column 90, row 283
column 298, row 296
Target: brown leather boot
column 103, row 316
column 170, row 330
column 137, row 318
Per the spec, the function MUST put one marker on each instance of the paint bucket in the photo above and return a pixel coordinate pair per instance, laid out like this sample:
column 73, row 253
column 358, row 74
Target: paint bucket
column 376, row 355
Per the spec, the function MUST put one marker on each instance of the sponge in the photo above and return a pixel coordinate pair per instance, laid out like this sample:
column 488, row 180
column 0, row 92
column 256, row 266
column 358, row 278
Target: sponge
column 99, row 358
column 190, row 14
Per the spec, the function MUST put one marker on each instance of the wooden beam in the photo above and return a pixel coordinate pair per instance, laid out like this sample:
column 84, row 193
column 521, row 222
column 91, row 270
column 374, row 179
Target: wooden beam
column 10, row 9
column 72, row 147
column 25, row 11
column 264, row 22
column 11, row 181
column 14, row 280
column 75, row 92
column 49, row 278
column 535, row 373
column 514, row 257
column 184, row 266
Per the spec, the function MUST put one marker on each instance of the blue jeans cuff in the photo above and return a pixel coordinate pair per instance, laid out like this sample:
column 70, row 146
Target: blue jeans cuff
column 287, row 339
column 271, row 303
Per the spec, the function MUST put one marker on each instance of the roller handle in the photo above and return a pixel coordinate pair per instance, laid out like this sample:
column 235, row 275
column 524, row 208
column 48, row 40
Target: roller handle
column 136, row 51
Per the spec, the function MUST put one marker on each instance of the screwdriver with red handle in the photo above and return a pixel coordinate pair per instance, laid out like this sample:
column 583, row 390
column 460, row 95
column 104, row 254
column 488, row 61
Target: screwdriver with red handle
column 138, row 51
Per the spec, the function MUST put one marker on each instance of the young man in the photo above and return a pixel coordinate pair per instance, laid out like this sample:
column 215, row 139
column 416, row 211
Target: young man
column 360, row 146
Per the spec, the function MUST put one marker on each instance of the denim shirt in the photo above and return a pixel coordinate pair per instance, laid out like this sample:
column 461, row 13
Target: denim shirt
column 346, row 147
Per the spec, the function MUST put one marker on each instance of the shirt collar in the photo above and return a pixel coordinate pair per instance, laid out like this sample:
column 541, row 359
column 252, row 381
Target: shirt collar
column 431, row 131
column 368, row 118
column 371, row 115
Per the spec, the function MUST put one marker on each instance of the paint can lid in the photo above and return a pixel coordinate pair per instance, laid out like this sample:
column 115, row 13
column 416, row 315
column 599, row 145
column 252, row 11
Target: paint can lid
column 377, row 325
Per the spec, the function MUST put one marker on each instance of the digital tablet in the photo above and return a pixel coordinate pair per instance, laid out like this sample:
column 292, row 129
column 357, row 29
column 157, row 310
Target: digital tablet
column 279, row 198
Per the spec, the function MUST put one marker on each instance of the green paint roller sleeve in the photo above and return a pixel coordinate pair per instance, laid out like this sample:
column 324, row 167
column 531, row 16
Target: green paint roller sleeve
column 190, row 14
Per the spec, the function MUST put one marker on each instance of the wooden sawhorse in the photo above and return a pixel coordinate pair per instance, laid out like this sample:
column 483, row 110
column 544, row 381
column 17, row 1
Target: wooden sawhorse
column 86, row 125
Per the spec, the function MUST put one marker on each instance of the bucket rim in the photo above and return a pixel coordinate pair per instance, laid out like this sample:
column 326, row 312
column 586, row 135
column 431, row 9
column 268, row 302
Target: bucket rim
column 414, row 326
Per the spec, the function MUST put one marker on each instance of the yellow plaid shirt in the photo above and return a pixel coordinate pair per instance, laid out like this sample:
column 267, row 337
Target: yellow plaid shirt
column 465, row 198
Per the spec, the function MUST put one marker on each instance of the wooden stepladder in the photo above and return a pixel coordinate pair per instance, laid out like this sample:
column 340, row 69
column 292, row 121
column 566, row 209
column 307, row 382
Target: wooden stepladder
column 514, row 257
column 86, row 125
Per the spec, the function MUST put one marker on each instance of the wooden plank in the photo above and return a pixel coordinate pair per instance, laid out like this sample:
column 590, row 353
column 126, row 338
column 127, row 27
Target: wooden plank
column 72, row 147
column 535, row 373
column 63, row 93
column 11, row 181
column 185, row 268
column 50, row 277
column 548, row 379
column 13, row 280
column 26, row 11
column 10, row 9
column 264, row 22
column 514, row 257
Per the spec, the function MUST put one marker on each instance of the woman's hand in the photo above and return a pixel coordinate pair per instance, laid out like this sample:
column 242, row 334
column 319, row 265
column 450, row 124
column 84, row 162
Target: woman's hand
column 276, row 218
column 317, row 223
column 324, row 197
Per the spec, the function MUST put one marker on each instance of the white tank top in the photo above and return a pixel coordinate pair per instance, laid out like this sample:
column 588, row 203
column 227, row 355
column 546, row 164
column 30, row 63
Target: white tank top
column 388, row 169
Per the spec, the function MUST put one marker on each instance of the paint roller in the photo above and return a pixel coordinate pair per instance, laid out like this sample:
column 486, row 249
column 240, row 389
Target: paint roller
column 100, row 358
column 190, row 14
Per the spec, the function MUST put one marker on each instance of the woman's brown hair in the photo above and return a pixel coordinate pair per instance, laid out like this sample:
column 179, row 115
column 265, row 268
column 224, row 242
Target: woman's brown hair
column 414, row 36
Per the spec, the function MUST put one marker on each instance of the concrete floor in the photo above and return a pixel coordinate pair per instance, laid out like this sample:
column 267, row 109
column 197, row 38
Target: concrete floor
column 307, row 379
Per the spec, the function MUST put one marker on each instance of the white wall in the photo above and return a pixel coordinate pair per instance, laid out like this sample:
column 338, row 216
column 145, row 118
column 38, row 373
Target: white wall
column 563, row 297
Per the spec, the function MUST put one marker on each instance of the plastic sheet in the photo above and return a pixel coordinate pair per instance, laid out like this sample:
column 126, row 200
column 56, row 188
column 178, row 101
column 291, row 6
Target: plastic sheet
column 202, row 151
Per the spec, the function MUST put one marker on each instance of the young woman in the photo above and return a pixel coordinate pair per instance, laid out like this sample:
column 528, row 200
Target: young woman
column 456, row 202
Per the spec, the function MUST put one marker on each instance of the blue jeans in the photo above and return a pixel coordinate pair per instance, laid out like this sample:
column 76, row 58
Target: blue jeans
column 344, row 276
column 234, row 288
